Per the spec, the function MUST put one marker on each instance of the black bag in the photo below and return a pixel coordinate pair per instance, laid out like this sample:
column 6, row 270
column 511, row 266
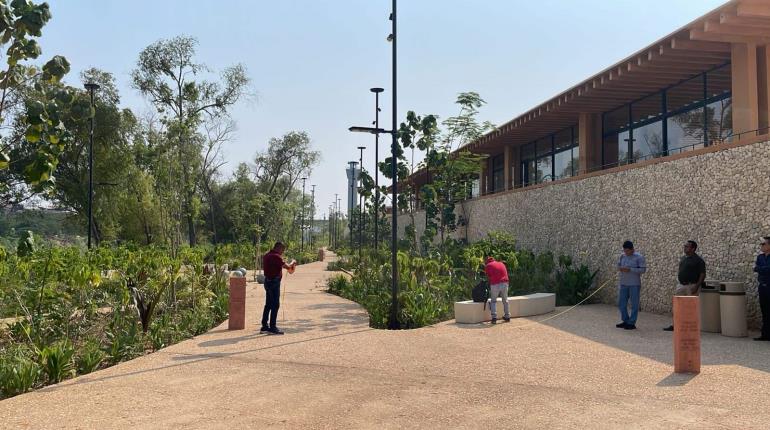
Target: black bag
column 480, row 293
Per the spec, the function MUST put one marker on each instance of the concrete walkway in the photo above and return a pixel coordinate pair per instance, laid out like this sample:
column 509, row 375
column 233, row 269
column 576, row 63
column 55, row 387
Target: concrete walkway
column 332, row 371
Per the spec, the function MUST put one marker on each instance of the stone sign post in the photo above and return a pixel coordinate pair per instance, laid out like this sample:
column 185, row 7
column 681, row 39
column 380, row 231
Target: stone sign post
column 237, row 319
column 686, row 334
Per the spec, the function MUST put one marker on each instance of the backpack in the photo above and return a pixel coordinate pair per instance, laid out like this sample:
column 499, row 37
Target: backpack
column 480, row 293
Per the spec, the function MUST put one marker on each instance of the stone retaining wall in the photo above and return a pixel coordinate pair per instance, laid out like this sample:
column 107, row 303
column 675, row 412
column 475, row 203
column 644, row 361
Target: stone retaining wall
column 719, row 199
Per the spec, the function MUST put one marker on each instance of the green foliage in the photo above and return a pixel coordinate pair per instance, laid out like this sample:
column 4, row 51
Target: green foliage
column 90, row 357
column 429, row 285
column 56, row 361
column 18, row 373
column 26, row 244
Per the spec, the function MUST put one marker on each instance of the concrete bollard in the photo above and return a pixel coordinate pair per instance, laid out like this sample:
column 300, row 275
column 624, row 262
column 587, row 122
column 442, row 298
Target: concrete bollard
column 686, row 334
column 237, row 307
column 321, row 254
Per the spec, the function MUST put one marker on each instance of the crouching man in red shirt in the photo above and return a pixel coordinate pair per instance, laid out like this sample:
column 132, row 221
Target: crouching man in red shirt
column 273, row 264
column 497, row 274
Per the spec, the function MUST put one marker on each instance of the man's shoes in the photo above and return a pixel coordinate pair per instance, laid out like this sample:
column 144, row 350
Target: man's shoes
column 507, row 319
column 494, row 320
column 762, row 338
column 621, row 325
column 669, row 328
column 630, row 327
column 274, row 330
column 264, row 329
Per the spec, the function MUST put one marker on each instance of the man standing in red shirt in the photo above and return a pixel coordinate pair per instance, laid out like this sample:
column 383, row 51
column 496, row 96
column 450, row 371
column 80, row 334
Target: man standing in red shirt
column 273, row 264
column 497, row 274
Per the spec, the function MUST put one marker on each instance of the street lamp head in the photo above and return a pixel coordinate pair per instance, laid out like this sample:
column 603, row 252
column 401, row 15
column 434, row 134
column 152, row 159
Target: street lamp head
column 92, row 86
column 362, row 147
column 371, row 130
column 376, row 90
column 390, row 37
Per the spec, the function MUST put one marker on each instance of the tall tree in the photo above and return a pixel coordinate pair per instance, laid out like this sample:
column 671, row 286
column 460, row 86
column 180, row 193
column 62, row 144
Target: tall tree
column 169, row 76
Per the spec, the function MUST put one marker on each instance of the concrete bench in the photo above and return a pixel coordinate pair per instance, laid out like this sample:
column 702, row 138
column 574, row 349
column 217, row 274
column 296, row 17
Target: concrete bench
column 470, row 312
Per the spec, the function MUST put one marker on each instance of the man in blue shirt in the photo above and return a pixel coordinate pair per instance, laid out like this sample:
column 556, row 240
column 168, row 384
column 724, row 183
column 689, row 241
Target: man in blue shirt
column 762, row 267
column 630, row 267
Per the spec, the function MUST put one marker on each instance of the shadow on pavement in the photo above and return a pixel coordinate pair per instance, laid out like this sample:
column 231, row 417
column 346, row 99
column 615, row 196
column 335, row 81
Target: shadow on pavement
column 596, row 322
column 676, row 380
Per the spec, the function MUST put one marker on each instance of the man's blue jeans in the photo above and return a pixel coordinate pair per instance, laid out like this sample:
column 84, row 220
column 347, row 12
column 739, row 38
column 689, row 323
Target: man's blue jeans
column 272, row 301
column 626, row 292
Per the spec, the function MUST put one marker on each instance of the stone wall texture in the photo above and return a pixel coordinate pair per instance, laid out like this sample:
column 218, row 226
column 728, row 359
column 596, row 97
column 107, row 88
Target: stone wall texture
column 719, row 199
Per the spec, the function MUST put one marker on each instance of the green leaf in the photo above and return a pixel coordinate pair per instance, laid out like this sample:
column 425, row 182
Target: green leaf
column 55, row 69
column 32, row 135
column 35, row 113
column 5, row 160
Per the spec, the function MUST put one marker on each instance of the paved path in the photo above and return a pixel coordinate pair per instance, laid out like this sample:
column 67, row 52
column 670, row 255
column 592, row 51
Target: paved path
column 332, row 371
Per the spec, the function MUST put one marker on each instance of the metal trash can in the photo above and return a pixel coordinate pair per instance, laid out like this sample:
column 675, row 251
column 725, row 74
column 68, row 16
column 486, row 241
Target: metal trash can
column 732, row 309
column 710, row 317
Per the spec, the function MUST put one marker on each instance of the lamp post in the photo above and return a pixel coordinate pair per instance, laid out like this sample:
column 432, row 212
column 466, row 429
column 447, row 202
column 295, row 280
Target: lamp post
column 91, row 87
column 312, row 216
column 360, row 206
column 376, row 92
column 302, row 218
column 352, row 202
column 336, row 216
column 393, row 323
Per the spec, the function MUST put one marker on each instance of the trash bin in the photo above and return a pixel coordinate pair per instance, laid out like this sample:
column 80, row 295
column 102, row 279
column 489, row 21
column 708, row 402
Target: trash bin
column 710, row 318
column 732, row 309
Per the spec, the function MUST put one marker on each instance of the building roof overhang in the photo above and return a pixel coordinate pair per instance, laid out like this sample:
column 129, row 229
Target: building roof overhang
column 697, row 47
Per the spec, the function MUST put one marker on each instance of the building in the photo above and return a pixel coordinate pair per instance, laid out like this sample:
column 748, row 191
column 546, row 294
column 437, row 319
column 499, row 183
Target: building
column 667, row 145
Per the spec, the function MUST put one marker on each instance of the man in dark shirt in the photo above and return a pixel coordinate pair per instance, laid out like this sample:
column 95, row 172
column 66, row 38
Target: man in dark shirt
column 762, row 267
column 273, row 265
column 692, row 272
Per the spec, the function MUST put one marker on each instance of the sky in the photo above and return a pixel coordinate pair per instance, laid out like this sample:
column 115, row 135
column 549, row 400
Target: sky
column 312, row 62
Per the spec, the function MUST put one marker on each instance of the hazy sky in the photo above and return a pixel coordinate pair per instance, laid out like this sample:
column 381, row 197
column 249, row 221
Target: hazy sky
column 312, row 62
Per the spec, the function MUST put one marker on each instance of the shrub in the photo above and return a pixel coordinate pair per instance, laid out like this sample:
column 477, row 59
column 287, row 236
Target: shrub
column 56, row 361
column 18, row 375
column 90, row 357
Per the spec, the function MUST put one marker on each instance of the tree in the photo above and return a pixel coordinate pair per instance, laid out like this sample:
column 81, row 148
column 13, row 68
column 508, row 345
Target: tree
column 20, row 22
column 166, row 73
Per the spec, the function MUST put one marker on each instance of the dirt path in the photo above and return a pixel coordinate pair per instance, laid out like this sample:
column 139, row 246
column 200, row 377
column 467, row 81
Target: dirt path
column 330, row 370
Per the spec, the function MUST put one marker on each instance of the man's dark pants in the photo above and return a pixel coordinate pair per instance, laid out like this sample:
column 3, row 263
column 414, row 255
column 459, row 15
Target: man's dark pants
column 272, row 301
column 764, row 305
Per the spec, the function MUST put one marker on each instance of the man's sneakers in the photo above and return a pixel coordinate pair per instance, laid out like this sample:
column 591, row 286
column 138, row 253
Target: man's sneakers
column 669, row 328
column 507, row 319
column 269, row 330
column 494, row 321
column 626, row 326
column 762, row 338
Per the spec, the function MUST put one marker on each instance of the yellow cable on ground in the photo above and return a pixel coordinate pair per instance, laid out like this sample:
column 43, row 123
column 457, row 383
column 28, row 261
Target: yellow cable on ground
column 570, row 308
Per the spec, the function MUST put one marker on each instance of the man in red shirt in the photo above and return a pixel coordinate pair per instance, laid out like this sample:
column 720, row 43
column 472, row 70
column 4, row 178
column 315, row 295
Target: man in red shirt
column 497, row 274
column 273, row 265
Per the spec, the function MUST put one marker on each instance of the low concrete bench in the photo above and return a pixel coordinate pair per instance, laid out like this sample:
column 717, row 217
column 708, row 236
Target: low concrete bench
column 470, row 312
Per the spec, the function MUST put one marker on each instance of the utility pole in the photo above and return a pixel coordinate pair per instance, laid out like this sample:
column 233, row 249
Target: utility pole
column 312, row 216
column 302, row 218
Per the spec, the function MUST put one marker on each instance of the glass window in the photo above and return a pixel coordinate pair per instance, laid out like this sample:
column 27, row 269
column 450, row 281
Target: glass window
column 610, row 151
column 544, row 173
column 685, row 131
column 563, row 140
column 528, row 152
column 544, row 146
column 685, row 95
column 622, row 153
column 719, row 82
column 564, row 164
column 616, row 119
column 648, row 141
column 719, row 119
column 647, row 108
column 529, row 172
column 498, row 173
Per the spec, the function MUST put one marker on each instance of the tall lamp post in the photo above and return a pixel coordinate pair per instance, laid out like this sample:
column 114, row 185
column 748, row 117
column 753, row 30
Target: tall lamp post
column 312, row 216
column 340, row 220
column 336, row 215
column 360, row 206
column 352, row 202
column 302, row 218
column 393, row 323
column 91, row 87
column 376, row 92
